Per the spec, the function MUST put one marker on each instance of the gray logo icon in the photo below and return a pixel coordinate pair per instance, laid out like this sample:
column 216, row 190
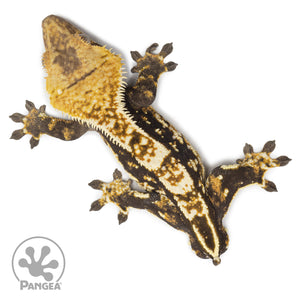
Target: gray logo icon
column 38, row 263
column 36, row 268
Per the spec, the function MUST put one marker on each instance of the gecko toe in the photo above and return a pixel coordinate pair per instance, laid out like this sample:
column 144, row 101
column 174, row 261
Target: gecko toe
column 282, row 160
column 34, row 142
column 122, row 217
column 117, row 174
column 17, row 117
column 96, row 205
column 269, row 147
column 248, row 149
column 171, row 66
column 96, row 184
column 166, row 50
column 152, row 48
column 17, row 134
column 270, row 186
column 29, row 105
column 135, row 55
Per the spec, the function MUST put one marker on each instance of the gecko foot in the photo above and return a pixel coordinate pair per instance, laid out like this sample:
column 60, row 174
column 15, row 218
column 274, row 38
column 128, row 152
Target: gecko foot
column 37, row 123
column 31, row 123
column 150, row 67
column 153, row 62
column 114, row 192
column 260, row 162
column 224, row 181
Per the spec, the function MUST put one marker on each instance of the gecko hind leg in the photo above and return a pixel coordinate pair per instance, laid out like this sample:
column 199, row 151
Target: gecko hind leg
column 149, row 68
column 121, row 194
column 224, row 181
column 37, row 123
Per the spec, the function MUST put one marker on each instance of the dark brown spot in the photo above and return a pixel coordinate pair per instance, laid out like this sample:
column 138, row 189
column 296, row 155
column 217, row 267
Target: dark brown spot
column 67, row 60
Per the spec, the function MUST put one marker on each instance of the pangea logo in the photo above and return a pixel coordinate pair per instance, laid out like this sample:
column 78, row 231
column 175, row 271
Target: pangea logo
column 38, row 263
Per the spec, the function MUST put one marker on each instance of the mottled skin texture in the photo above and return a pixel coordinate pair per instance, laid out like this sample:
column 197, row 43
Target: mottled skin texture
column 85, row 81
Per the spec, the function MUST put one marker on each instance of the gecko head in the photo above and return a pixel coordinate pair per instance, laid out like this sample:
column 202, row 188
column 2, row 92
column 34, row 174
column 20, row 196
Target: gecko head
column 57, row 35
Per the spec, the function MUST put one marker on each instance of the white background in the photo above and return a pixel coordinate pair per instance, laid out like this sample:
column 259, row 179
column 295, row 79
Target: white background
column 237, row 81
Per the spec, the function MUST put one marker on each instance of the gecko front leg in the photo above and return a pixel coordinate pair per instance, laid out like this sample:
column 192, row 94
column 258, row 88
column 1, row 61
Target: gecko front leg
column 149, row 68
column 224, row 181
column 37, row 123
